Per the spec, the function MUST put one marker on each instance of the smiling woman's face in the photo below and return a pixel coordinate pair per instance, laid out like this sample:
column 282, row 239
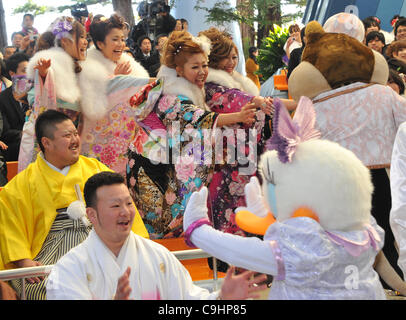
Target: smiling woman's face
column 228, row 64
column 113, row 45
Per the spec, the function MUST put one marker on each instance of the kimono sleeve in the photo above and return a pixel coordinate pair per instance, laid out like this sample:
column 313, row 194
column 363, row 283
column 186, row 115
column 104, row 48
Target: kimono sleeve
column 398, row 191
column 68, row 281
column 15, row 221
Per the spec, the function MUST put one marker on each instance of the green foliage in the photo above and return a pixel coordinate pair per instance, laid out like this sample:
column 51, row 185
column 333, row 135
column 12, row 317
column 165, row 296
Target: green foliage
column 31, row 7
column 271, row 51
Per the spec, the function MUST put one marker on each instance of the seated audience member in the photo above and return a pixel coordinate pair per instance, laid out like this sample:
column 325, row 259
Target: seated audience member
column 294, row 41
column 296, row 54
column 396, row 50
column 400, row 29
column 371, row 24
column 114, row 263
column 178, row 25
column 374, row 24
column 185, row 24
column 14, row 105
column 376, row 41
column 147, row 56
column 9, row 51
column 17, row 39
column 396, row 82
column 40, row 217
column 159, row 43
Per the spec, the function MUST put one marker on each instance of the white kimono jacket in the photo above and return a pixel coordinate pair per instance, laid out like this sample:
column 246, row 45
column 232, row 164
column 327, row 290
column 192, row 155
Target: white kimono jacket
column 398, row 185
column 91, row 271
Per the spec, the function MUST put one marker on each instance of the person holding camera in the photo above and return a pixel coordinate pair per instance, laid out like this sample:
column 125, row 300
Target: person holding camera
column 156, row 20
column 28, row 26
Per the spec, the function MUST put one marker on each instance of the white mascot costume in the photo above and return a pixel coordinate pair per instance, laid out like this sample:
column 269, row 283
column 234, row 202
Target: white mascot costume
column 320, row 242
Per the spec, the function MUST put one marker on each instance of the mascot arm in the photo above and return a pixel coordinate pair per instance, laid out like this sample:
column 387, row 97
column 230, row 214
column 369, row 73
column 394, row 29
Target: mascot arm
column 398, row 190
column 245, row 252
column 249, row 253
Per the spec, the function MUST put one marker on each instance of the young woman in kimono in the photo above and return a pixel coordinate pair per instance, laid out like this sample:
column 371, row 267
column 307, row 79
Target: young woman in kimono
column 171, row 155
column 54, row 72
column 108, row 79
column 227, row 91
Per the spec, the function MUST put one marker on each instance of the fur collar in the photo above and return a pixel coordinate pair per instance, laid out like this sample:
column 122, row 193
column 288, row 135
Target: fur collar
column 96, row 72
column 63, row 69
column 174, row 85
column 95, row 58
column 236, row 80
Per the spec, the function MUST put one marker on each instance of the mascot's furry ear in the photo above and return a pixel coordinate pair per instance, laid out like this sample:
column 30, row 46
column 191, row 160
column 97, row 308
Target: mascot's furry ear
column 314, row 31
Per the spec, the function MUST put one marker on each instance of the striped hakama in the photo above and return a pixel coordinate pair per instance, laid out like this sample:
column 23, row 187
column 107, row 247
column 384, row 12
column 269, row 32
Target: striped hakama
column 65, row 234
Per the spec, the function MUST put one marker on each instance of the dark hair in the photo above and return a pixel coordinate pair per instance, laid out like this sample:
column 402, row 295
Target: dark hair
column 183, row 21
column 159, row 36
column 371, row 22
column 104, row 178
column 45, row 125
column 394, row 77
column 28, row 15
column 3, row 70
column 18, row 32
column 251, row 51
column 400, row 22
column 397, row 65
column 373, row 35
column 141, row 39
column 100, row 29
column 45, row 41
column 13, row 61
column 294, row 28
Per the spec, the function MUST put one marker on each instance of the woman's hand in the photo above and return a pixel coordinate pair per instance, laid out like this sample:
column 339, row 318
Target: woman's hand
column 42, row 67
column 247, row 113
column 123, row 68
column 265, row 104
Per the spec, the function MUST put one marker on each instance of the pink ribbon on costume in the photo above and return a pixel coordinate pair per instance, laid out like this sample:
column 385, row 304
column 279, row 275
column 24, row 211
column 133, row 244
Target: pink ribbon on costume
column 279, row 260
column 191, row 228
column 355, row 248
column 288, row 132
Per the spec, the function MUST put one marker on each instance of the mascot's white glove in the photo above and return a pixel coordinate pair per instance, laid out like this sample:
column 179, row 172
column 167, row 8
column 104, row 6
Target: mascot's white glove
column 254, row 199
column 196, row 208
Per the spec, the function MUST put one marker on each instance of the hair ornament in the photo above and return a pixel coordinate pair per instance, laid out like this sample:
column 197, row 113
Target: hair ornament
column 203, row 42
column 62, row 28
column 288, row 133
column 177, row 50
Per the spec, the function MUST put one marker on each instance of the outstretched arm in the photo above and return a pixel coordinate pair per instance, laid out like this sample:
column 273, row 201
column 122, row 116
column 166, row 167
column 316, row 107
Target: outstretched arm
column 246, row 252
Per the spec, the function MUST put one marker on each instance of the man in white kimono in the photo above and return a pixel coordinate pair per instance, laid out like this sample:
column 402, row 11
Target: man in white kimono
column 115, row 263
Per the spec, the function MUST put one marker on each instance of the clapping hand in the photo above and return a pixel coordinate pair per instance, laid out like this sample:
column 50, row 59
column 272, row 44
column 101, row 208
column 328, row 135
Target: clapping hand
column 242, row 286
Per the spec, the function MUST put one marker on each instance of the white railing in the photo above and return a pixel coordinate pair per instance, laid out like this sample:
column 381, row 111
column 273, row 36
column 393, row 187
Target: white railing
column 42, row 271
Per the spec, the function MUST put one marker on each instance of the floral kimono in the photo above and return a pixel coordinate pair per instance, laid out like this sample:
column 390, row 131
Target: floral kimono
column 108, row 119
column 226, row 94
column 170, row 156
column 59, row 91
